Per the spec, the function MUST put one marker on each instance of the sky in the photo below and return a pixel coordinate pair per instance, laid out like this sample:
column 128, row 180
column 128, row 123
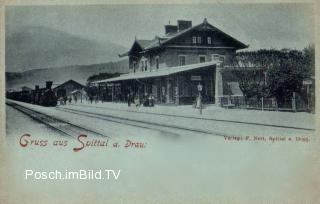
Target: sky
column 257, row 25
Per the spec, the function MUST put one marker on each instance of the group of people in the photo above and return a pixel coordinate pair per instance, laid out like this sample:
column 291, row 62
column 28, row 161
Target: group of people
column 64, row 99
column 147, row 100
column 93, row 98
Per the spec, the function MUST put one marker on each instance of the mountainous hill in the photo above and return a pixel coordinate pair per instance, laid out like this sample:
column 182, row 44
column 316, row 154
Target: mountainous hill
column 34, row 47
column 79, row 73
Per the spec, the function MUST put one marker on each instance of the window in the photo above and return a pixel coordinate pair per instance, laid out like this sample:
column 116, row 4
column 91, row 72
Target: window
column 194, row 40
column 182, row 60
column 157, row 62
column 209, row 40
column 134, row 66
column 199, row 39
column 217, row 57
column 146, row 65
column 202, row 58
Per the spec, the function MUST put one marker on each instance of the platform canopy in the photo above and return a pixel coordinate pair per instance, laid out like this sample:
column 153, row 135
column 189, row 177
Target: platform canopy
column 160, row 72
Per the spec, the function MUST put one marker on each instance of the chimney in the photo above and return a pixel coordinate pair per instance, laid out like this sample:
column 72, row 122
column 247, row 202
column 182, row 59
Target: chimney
column 48, row 84
column 171, row 29
column 36, row 87
column 182, row 25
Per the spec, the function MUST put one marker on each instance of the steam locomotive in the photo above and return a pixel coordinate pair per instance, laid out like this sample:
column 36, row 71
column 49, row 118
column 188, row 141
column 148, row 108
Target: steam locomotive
column 39, row 96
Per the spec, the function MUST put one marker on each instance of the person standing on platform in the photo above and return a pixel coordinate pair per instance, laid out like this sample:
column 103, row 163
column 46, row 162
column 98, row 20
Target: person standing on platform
column 137, row 101
column 65, row 100
column 129, row 99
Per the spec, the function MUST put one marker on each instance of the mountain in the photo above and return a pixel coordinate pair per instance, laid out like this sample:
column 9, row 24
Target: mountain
column 79, row 73
column 34, row 47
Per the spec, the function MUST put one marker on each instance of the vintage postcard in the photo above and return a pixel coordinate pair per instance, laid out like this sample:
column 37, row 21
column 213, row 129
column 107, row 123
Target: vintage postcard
column 159, row 102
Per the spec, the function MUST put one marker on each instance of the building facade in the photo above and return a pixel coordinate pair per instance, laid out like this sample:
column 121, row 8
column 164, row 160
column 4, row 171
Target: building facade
column 172, row 67
column 67, row 88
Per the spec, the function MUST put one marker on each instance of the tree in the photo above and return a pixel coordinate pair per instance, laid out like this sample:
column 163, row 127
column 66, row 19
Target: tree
column 286, row 76
column 309, row 60
column 272, row 73
column 249, row 70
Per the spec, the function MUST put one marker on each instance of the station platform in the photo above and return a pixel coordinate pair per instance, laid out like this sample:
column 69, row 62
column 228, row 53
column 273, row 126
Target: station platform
column 299, row 120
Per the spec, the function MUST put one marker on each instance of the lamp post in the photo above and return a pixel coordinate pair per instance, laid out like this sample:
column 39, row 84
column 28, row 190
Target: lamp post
column 199, row 102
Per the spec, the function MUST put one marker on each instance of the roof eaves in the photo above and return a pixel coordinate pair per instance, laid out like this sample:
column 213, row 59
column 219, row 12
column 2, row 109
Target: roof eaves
column 128, row 52
column 242, row 44
column 181, row 33
column 169, row 38
column 161, row 72
column 70, row 80
column 124, row 54
column 144, row 43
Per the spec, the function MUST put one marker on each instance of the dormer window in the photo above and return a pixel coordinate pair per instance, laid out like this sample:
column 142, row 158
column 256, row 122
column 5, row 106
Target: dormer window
column 209, row 40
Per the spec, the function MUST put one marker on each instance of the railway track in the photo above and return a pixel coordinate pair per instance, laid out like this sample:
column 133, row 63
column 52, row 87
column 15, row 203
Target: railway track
column 71, row 129
column 141, row 124
column 206, row 119
column 59, row 125
column 67, row 128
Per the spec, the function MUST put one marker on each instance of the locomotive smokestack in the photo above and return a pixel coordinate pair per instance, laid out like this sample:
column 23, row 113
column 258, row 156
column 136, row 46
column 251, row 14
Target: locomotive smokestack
column 49, row 84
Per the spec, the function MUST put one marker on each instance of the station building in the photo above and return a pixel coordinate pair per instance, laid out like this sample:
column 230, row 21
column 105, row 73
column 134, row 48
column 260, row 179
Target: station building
column 172, row 66
column 67, row 88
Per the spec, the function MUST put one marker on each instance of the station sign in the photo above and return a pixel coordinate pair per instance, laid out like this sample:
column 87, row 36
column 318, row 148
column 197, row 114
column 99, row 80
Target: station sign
column 195, row 78
column 307, row 82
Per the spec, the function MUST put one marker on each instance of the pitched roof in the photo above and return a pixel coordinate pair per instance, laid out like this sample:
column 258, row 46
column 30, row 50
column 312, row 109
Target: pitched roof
column 169, row 37
column 144, row 43
column 26, row 88
column 72, row 81
column 160, row 41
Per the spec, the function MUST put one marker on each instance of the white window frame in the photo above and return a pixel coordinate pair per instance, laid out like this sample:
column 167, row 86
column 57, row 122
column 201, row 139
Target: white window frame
column 194, row 39
column 205, row 58
column 209, row 40
column 185, row 59
column 219, row 56
column 199, row 39
column 144, row 64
